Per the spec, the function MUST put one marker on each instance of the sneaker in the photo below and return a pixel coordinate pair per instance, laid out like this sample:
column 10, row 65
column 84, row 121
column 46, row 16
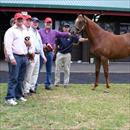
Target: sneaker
column 32, row 91
column 11, row 102
column 23, row 99
column 48, row 88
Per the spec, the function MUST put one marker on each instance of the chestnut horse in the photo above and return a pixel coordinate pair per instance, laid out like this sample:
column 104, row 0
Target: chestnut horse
column 103, row 44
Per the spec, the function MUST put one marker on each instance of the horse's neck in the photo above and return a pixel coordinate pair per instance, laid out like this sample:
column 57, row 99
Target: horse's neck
column 94, row 32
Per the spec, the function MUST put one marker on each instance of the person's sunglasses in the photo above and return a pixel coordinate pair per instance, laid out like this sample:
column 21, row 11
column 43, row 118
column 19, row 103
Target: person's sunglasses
column 49, row 22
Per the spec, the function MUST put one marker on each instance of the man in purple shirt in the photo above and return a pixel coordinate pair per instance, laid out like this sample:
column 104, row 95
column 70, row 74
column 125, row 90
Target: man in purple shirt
column 48, row 36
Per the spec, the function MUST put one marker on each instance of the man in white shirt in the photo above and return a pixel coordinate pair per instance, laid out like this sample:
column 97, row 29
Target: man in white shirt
column 33, row 67
column 16, row 50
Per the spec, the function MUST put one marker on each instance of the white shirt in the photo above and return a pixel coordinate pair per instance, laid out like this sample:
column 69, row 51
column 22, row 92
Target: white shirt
column 37, row 42
column 14, row 41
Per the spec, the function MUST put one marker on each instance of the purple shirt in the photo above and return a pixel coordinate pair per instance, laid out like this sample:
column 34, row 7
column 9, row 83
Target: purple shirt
column 50, row 37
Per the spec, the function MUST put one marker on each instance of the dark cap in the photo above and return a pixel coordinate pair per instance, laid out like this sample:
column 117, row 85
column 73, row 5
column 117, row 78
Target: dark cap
column 35, row 19
column 66, row 25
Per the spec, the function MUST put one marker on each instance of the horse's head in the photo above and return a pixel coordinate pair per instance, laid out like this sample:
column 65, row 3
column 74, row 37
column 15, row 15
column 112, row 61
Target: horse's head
column 80, row 23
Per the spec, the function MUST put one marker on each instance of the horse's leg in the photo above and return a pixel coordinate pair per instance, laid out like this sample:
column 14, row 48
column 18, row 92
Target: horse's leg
column 106, row 70
column 97, row 71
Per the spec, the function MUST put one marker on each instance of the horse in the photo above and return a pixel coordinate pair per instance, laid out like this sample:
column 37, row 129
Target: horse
column 103, row 44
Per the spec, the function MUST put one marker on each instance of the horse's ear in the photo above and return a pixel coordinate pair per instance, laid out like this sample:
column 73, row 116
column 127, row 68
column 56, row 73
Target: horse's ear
column 85, row 16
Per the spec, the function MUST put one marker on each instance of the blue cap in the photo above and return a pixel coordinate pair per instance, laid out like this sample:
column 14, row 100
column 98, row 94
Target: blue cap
column 35, row 19
column 66, row 25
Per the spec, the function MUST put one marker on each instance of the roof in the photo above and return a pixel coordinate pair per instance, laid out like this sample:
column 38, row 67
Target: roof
column 106, row 5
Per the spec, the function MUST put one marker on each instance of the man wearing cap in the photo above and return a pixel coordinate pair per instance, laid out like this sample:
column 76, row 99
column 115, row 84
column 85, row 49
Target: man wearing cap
column 48, row 36
column 16, row 51
column 63, row 56
column 34, row 66
column 27, row 83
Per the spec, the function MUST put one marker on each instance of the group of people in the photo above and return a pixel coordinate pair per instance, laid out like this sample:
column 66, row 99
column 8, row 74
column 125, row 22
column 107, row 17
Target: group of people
column 27, row 49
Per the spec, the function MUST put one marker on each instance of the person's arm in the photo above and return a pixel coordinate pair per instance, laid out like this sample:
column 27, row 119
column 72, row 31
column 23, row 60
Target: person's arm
column 43, row 54
column 61, row 34
column 41, row 50
column 8, row 41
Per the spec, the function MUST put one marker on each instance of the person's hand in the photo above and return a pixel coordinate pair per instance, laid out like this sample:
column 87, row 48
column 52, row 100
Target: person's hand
column 44, row 59
column 69, row 33
column 45, row 48
column 49, row 47
column 13, row 62
column 31, row 56
column 83, row 39
column 27, row 43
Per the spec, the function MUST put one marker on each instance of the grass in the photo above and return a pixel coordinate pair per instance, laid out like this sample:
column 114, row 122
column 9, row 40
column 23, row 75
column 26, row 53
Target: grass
column 74, row 108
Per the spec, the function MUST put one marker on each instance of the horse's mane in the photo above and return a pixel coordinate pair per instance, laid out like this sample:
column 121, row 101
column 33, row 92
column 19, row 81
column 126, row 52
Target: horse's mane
column 90, row 22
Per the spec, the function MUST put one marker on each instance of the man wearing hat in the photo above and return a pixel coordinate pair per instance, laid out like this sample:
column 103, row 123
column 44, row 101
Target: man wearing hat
column 63, row 56
column 29, row 80
column 34, row 66
column 16, row 51
column 48, row 36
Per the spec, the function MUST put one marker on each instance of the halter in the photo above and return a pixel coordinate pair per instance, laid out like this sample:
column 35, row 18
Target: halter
column 80, row 30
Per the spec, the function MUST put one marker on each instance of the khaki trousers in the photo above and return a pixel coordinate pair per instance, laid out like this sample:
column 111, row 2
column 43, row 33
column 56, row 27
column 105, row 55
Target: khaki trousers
column 31, row 74
column 63, row 62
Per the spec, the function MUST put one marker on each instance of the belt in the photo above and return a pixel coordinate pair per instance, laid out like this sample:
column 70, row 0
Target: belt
column 37, row 52
column 20, row 54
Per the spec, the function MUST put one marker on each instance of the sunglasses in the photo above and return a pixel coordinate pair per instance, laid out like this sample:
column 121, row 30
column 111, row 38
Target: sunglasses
column 49, row 22
column 66, row 26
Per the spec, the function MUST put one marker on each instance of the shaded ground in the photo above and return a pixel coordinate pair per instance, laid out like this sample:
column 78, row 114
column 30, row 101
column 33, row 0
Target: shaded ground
column 82, row 73
column 79, row 78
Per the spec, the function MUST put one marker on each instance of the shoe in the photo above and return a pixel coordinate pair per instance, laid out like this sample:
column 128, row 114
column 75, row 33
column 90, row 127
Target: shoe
column 48, row 88
column 11, row 102
column 32, row 91
column 23, row 99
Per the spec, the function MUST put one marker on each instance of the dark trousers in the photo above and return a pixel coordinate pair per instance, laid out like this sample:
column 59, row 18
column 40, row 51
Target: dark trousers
column 16, row 77
column 49, row 63
column 48, row 78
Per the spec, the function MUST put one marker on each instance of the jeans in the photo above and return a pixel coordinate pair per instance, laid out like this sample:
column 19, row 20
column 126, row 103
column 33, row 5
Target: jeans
column 48, row 80
column 16, row 77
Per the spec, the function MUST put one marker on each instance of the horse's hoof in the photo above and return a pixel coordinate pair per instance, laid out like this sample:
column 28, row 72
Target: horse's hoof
column 94, row 86
column 108, row 86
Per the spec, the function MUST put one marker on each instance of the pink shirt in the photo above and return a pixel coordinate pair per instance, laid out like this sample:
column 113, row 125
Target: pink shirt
column 14, row 41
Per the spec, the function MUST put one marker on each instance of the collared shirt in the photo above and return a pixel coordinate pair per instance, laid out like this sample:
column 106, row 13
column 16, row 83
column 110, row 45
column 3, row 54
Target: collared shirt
column 14, row 41
column 31, row 49
column 51, row 35
column 65, row 44
column 37, row 42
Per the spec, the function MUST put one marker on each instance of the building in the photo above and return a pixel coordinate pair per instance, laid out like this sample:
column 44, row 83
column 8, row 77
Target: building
column 115, row 15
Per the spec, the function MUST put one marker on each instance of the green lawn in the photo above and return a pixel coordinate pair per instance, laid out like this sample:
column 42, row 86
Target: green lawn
column 74, row 108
